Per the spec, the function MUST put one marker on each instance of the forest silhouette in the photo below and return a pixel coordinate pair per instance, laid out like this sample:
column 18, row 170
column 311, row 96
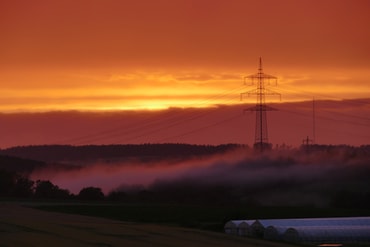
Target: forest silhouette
column 328, row 176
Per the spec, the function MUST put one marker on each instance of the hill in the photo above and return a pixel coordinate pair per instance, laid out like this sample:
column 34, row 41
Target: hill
column 19, row 165
column 63, row 153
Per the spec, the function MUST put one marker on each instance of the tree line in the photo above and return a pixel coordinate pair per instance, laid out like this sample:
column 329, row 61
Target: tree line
column 53, row 153
column 14, row 185
column 339, row 178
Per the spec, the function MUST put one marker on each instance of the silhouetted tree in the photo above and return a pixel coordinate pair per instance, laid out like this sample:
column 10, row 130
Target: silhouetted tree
column 23, row 187
column 45, row 189
column 117, row 196
column 91, row 193
column 7, row 182
column 63, row 194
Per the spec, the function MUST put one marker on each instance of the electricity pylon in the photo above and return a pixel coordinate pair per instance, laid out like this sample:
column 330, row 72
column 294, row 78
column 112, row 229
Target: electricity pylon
column 261, row 136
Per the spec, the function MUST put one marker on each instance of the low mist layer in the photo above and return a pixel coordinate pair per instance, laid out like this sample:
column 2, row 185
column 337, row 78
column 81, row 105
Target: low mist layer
column 328, row 176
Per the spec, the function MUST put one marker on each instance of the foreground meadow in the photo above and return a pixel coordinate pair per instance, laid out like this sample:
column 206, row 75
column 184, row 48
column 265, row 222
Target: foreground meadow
column 21, row 226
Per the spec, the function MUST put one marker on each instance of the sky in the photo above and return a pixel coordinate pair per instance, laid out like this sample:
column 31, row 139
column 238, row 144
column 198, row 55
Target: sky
column 93, row 55
column 336, row 122
column 112, row 55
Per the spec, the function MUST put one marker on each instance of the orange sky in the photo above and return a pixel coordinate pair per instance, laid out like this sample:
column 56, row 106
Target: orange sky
column 143, row 54
column 94, row 55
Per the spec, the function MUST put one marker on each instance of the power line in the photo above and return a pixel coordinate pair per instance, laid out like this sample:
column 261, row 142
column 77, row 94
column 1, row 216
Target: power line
column 158, row 123
column 149, row 122
column 202, row 128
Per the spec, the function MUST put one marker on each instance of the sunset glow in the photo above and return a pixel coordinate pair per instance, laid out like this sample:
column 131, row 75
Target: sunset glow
column 31, row 92
column 119, row 55
column 181, row 64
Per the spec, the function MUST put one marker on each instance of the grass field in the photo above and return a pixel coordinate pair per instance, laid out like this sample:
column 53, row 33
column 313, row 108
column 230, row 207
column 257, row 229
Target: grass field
column 118, row 224
column 21, row 226
column 206, row 217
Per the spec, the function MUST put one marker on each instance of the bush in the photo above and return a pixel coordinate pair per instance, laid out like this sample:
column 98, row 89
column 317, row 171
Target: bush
column 91, row 193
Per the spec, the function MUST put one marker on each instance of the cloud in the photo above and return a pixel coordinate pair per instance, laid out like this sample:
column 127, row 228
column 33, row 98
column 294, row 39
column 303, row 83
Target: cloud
column 216, row 125
column 204, row 77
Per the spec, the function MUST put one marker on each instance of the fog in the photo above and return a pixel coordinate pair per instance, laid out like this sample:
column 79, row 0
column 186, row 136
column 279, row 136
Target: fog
column 111, row 175
column 285, row 177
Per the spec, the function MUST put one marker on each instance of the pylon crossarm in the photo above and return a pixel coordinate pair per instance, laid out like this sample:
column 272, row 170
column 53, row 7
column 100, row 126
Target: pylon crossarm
column 271, row 92
column 260, row 75
column 253, row 91
column 267, row 76
column 269, row 108
column 252, row 77
column 261, row 108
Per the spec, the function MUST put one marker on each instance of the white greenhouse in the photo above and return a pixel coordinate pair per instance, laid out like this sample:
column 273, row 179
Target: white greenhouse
column 239, row 227
column 231, row 227
column 244, row 228
column 328, row 234
column 274, row 232
column 305, row 230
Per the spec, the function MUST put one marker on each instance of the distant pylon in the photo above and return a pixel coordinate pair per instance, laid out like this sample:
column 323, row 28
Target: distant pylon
column 261, row 136
column 306, row 143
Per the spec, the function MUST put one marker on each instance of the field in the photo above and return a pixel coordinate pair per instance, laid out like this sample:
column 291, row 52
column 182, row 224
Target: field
column 188, row 202
column 103, row 224
column 204, row 217
column 23, row 226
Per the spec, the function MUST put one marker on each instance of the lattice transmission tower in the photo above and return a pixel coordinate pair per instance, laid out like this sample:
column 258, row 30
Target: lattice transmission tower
column 260, row 79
